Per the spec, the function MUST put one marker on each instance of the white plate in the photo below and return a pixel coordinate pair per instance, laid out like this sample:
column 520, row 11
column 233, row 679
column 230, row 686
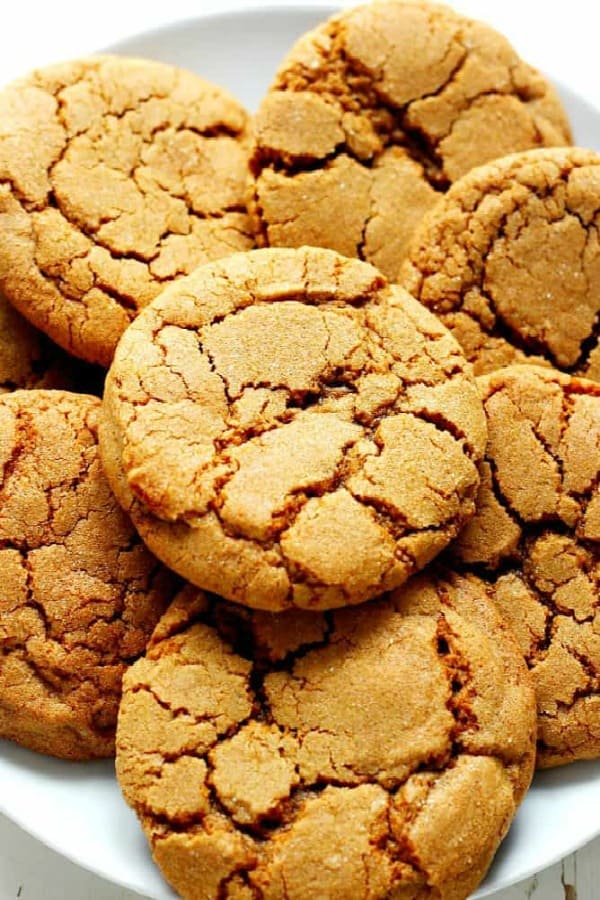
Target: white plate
column 76, row 808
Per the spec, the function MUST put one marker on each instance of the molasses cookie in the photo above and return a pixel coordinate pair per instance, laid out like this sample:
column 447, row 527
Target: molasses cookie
column 376, row 112
column 80, row 593
column 373, row 752
column 116, row 176
column 510, row 261
column 536, row 534
column 286, row 429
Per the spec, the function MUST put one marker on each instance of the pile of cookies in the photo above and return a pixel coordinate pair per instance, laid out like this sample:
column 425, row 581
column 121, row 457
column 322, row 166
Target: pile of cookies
column 321, row 561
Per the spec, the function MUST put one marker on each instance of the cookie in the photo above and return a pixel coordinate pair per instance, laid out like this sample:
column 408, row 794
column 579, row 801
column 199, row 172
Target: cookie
column 373, row 752
column 117, row 175
column 286, row 429
column 80, row 593
column 375, row 113
column 537, row 533
column 27, row 358
column 510, row 261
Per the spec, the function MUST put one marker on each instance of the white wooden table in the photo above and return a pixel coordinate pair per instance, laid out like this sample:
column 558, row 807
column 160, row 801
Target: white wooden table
column 29, row 871
column 558, row 38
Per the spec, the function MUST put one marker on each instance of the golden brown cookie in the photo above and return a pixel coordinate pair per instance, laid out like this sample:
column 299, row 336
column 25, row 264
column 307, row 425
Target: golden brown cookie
column 537, row 531
column 373, row 752
column 376, row 112
column 80, row 593
column 510, row 261
column 116, row 176
column 286, row 429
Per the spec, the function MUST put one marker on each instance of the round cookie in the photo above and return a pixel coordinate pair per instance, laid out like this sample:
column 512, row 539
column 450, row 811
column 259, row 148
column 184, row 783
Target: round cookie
column 80, row 593
column 373, row 752
column 537, row 531
column 510, row 261
column 376, row 112
column 286, row 429
column 117, row 175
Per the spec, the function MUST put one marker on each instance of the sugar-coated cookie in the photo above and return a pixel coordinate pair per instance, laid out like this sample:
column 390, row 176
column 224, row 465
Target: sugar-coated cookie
column 537, row 533
column 375, row 752
column 376, row 112
column 116, row 176
column 510, row 261
column 80, row 594
column 286, row 429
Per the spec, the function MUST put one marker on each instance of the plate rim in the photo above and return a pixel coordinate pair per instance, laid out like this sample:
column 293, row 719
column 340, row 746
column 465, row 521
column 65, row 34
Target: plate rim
column 480, row 893
column 47, row 840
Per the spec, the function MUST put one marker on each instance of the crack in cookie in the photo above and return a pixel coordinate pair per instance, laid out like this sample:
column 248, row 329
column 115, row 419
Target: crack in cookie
column 376, row 112
column 535, row 536
column 81, row 594
column 510, row 261
column 116, row 176
column 264, row 753
column 286, row 429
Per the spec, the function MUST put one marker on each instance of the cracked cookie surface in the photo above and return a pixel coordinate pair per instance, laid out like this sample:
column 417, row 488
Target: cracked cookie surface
column 510, row 261
column 536, row 532
column 376, row 112
column 286, row 429
column 80, row 593
column 116, row 176
column 376, row 751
